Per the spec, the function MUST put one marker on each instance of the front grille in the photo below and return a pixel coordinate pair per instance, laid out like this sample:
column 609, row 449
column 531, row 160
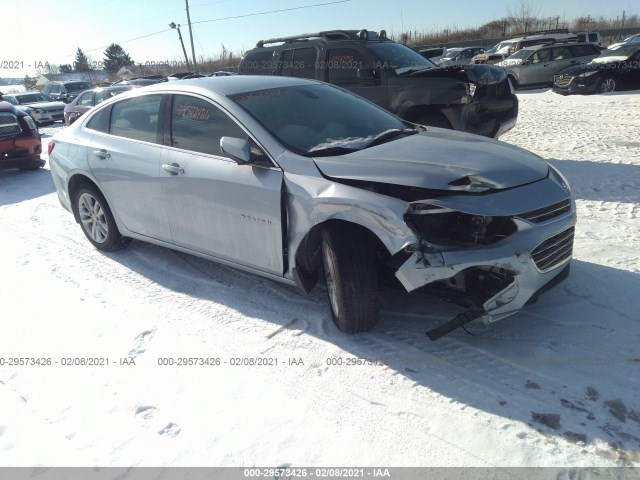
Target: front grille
column 562, row 80
column 9, row 125
column 543, row 214
column 554, row 250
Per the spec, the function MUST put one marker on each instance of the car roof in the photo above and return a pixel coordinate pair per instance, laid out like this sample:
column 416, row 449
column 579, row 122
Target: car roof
column 230, row 85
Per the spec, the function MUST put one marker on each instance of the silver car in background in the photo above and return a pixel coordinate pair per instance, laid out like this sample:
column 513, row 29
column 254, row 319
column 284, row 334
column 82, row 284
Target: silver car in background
column 538, row 64
column 293, row 179
column 42, row 108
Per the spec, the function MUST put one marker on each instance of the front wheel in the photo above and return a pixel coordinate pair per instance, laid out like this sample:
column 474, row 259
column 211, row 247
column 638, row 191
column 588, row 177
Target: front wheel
column 607, row 84
column 97, row 220
column 350, row 274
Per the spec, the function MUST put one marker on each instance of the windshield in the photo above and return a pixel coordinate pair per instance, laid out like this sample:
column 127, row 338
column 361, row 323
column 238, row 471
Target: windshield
column 618, row 54
column 33, row 98
column 315, row 120
column 502, row 47
column 402, row 59
column 452, row 53
column 524, row 53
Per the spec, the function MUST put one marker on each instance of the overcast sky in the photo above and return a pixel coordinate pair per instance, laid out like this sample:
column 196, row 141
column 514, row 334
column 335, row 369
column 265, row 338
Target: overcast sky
column 42, row 31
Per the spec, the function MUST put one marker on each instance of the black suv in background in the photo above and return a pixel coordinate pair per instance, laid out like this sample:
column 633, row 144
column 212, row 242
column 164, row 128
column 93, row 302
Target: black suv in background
column 471, row 98
column 66, row 91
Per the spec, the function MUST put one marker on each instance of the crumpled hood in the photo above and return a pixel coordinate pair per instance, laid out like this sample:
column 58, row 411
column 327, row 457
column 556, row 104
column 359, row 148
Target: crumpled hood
column 479, row 73
column 439, row 159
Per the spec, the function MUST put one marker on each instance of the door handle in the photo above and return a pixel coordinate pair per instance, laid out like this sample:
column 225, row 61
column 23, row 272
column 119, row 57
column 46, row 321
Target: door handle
column 173, row 168
column 102, row 153
column 573, row 61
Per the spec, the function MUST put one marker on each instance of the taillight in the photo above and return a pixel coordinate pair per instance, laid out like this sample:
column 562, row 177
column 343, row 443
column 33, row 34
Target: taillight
column 50, row 147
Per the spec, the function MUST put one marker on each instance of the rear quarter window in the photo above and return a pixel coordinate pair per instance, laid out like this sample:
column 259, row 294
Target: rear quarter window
column 258, row 63
column 100, row 120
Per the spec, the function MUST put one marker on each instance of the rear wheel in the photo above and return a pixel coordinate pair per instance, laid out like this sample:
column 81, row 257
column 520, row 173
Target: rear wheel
column 607, row 84
column 97, row 220
column 350, row 274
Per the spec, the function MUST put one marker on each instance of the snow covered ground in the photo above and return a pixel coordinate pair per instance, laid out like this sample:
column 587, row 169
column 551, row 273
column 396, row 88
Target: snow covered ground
column 556, row 385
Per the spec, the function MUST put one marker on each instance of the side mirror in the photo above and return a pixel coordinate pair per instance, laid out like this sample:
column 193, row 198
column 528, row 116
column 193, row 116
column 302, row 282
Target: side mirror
column 237, row 149
column 366, row 74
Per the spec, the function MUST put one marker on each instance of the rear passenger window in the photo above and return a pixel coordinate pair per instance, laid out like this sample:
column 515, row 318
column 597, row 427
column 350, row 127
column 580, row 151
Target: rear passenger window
column 100, row 121
column 86, row 99
column 198, row 125
column 136, row 118
column 561, row 53
column 583, row 50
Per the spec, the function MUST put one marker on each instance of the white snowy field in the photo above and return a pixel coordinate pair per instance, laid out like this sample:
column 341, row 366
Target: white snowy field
column 556, row 385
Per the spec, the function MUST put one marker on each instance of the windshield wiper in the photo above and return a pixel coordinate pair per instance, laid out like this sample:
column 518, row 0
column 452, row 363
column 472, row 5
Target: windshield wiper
column 330, row 151
column 389, row 135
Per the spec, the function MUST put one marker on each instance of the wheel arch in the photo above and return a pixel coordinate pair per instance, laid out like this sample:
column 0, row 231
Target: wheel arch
column 308, row 257
column 74, row 184
column 417, row 112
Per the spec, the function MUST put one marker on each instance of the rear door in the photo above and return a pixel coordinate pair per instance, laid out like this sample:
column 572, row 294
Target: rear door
column 124, row 156
column 216, row 206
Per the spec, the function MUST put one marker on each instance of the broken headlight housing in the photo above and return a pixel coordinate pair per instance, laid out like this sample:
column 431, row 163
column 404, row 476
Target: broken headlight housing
column 446, row 227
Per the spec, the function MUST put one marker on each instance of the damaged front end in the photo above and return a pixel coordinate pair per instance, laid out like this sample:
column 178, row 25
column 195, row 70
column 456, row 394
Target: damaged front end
column 492, row 265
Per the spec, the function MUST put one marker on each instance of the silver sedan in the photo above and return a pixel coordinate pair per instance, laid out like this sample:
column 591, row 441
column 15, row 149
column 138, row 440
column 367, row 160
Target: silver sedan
column 297, row 180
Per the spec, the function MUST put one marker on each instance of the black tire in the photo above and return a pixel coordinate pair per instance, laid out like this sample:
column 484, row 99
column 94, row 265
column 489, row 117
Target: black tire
column 607, row 84
column 350, row 275
column 96, row 219
column 435, row 120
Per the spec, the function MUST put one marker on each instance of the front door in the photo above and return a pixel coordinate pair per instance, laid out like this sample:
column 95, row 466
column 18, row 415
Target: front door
column 216, row 206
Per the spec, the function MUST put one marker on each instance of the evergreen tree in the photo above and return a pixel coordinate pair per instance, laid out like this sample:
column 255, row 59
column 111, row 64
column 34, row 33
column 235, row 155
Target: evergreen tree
column 81, row 63
column 29, row 82
column 65, row 68
column 115, row 58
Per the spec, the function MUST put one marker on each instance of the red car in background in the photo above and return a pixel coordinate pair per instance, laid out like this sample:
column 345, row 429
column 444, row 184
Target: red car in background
column 20, row 144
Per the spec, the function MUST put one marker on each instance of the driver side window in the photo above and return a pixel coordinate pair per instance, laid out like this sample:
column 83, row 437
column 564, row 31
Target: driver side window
column 343, row 65
column 198, row 125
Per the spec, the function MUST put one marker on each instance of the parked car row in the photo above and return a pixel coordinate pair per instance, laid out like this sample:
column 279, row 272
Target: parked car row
column 570, row 62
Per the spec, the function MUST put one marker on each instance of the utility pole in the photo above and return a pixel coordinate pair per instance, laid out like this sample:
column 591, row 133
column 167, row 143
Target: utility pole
column 193, row 50
column 177, row 27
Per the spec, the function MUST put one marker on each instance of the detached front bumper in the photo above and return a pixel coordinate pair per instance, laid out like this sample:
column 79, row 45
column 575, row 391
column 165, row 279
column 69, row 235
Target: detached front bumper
column 520, row 269
column 496, row 279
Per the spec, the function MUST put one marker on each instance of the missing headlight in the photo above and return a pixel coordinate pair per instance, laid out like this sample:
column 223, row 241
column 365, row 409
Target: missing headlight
column 449, row 227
